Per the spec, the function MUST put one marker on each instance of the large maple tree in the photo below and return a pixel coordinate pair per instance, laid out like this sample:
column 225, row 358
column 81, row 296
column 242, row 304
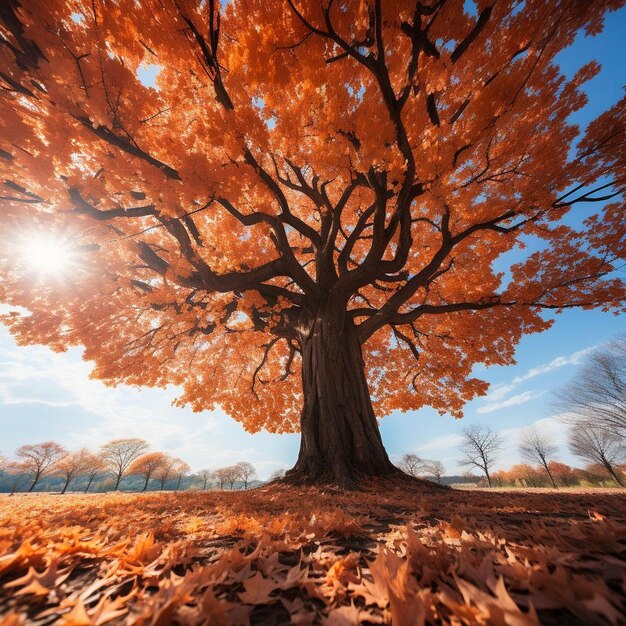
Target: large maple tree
column 299, row 219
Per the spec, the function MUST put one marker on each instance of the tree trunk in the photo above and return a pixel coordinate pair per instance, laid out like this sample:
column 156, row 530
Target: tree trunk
column 340, row 441
column 88, row 484
column 34, row 483
column 118, row 480
column 551, row 477
column 65, row 486
column 145, row 485
column 614, row 474
column 488, row 477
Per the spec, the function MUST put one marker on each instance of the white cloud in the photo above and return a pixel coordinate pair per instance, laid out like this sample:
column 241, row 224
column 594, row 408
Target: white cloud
column 494, row 398
column 555, row 430
column 498, row 392
column 573, row 359
column 520, row 398
column 444, row 442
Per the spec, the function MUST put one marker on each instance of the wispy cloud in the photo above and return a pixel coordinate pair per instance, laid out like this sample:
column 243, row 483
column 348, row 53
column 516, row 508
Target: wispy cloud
column 444, row 442
column 494, row 398
column 573, row 359
column 520, row 398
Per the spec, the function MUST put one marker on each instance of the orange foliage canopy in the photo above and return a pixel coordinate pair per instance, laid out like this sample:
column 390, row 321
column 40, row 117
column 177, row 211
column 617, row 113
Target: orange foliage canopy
column 378, row 156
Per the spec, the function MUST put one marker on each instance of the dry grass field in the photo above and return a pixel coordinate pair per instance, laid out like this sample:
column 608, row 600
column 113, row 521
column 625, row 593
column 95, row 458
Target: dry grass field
column 400, row 553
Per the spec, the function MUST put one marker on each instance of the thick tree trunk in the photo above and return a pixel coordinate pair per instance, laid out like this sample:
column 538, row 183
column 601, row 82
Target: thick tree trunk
column 340, row 440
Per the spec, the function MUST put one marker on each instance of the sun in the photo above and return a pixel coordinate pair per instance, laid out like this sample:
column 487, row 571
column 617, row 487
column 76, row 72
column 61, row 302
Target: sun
column 47, row 255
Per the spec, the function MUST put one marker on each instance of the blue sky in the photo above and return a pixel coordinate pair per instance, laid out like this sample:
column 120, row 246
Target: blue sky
column 50, row 396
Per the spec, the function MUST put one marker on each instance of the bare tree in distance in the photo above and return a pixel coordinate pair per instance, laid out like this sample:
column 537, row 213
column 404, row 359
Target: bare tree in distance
column 246, row 472
column 600, row 446
column 204, row 476
column 147, row 465
column 411, row 464
column 597, row 394
column 480, row 447
column 537, row 448
column 120, row 453
column 93, row 466
column 232, row 474
column 38, row 459
column 435, row 469
column 277, row 474
column 179, row 470
column 221, row 475
column 70, row 466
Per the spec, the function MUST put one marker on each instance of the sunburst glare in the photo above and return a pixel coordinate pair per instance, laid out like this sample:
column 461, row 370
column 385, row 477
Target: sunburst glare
column 47, row 255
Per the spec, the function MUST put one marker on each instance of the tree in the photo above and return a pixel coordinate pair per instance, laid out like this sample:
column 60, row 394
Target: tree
column 147, row 466
column 221, row 475
column 536, row 447
column 38, row 460
column 436, row 469
column 411, row 464
column 277, row 474
column 93, row 466
column 204, row 476
column 246, row 472
column 118, row 454
column 165, row 471
column 179, row 470
column 480, row 447
column 598, row 445
column 563, row 474
column 15, row 470
column 270, row 253
column 597, row 395
column 71, row 465
column 233, row 474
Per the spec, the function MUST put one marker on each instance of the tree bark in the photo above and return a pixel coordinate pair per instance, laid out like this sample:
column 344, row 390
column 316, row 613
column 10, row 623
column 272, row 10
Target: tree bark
column 65, row 486
column 34, row 483
column 88, row 484
column 145, row 485
column 613, row 473
column 340, row 441
column 551, row 477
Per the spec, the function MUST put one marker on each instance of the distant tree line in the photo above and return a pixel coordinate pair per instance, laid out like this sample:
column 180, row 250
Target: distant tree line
column 48, row 466
column 593, row 404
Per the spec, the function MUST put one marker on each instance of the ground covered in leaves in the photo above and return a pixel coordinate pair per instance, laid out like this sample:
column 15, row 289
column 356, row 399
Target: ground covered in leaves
column 405, row 554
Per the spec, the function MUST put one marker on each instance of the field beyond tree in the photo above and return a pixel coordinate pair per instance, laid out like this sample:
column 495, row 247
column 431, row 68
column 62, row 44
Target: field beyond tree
column 419, row 554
